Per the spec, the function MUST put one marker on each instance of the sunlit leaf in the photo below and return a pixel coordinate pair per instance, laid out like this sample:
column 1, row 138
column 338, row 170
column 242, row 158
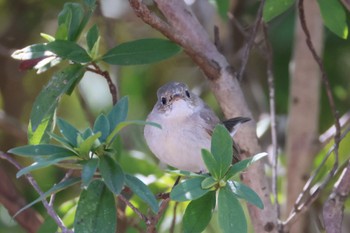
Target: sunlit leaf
column 96, row 211
column 87, row 145
column 188, row 190
column 274, row 8
column 198, row 213
column 112, row 174
column 31, row 52
column 141, row 190
column 334, row 17
column 142, row 51
column 230, row 213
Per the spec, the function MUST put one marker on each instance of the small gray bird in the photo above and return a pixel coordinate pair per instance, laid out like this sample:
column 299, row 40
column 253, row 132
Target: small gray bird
column 187, row 125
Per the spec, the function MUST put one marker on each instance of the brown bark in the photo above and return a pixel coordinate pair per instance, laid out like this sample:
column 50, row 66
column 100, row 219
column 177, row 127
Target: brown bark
column 302, row 132
column 182, row 27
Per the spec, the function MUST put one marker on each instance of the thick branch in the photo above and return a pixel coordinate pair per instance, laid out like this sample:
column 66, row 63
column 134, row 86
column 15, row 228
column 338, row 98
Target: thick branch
column 182, row 27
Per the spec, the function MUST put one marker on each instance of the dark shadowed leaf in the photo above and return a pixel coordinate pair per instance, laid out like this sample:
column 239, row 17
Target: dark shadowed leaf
column 92, row 37
column 142, row 51
column 230, row 213
column 68, row 131
column 274, row 8
column 89, row 169
column 46, row 102
column 118, row 113
column 198, row 213
column 102, row 125
column 69, row 50
column 112, row 174
column 69, row 21
column 211, row 164
column 96, row 210
column 141, row 190
column 246, row 193
column 188, row 190
column 334, row 17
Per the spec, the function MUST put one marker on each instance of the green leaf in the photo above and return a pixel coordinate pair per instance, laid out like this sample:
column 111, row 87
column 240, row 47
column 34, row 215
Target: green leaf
column 90, row 3
column 69, row 50
column 142, row 51
column 141, row 190
column 221, row 148
column 45, row 162
column 87, row 145
column 243, row 164
column 112, row 174
column 69, row 21
column 55, row 189
column 246, row 193
column 40, row 150
column 334, row 17
column 188, row 190
column 208, row 183
column 68, row 131
column 198, row 213
column 118, row 113
column 89, row 169
column 102, row 125
column 61, row 140
column 45, row 104
column 274, row 8
column 31, row 52
column 230, row 212
column 96, row 211
column 123, row 124
column 211, row 164
column 92, row 36
column 47, row 37
column 41, row 134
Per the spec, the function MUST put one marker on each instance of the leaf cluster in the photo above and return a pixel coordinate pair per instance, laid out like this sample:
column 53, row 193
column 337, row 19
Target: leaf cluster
column 203, row 190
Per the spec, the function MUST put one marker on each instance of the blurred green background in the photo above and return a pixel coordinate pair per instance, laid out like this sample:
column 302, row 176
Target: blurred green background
column 21, row 24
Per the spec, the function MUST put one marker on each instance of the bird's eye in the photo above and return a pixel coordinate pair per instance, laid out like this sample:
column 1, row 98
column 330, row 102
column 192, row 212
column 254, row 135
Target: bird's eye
column 163, row 100
column 188, row 94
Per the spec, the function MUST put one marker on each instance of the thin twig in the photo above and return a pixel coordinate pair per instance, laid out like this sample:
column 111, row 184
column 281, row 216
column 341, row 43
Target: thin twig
column 301, row 207
column 105, row 74
column 135, row 209
column 250, row 43
column 66, row 177
column 326, row 137
column 50, row 210
column 173, row 222
column 271, row 85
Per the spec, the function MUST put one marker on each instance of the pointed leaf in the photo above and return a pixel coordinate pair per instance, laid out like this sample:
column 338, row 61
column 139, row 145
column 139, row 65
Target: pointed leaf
column 68, row 131
column 208, row 183
column 102, row 125
column 87, row 145
column 243, row 164
column 69, row 21
column 112, row 174
column 246, row 193
column 334, row 17
column 55, row 189
column 141, row 190
column 188, row 190
column 89, row 169
column 274, row 8
column 118, row 113
column 92, row 36
column 230, row 213
column 53, row 159
column 211, row 164
column 40, row 150
column 69, row 50
column 32, row 52
column 96, row 210
column 142, row 51
column 198, row 213
column 221, row 148
column 46, row 103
